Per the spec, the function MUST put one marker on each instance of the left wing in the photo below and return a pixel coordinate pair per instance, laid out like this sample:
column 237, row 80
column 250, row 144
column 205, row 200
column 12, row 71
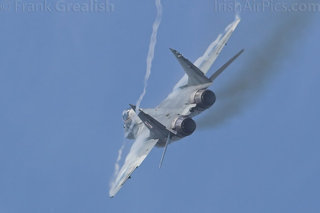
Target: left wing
column 209, row 57
column 205, row 62
column 138, row 152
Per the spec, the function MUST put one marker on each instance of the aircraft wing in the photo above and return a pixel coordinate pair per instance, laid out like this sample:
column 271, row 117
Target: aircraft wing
column 178, row 101
column 138, row 152
column 205, row 62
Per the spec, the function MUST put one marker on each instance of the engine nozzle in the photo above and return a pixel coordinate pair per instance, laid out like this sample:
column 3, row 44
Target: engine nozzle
column 184, row 126
column 204, row 98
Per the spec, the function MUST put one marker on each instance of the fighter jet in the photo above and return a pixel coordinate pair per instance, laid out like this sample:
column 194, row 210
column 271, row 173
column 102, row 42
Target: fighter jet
column 172, row 119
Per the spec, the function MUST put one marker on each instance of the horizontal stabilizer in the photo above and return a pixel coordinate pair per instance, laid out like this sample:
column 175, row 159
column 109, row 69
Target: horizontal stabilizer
column 157, row 130
column 195, row 75
column 223, row 67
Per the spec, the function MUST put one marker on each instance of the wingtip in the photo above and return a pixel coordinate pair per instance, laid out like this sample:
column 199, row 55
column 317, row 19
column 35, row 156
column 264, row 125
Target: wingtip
column 238, row 18
column 111, row 194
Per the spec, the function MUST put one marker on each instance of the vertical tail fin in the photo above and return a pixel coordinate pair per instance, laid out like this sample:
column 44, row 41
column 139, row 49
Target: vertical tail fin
column 195, row 75
column 223, row 67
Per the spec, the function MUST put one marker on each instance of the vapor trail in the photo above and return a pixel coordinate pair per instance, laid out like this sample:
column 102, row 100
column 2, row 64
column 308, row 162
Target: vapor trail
column 117, row 163
column 152, row 44
column 252, row 77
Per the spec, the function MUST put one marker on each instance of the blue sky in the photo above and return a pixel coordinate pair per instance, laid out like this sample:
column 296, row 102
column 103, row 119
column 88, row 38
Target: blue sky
column 66, row 76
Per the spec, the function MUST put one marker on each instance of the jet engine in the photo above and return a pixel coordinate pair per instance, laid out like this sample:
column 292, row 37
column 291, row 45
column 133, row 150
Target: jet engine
column 184, row 126
column 204, row 99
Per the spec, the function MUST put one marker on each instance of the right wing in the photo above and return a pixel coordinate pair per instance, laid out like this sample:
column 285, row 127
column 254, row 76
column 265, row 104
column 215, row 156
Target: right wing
column 138, row 152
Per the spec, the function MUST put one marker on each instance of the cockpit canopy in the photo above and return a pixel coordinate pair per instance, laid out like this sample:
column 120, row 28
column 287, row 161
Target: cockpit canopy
column 125, row 115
